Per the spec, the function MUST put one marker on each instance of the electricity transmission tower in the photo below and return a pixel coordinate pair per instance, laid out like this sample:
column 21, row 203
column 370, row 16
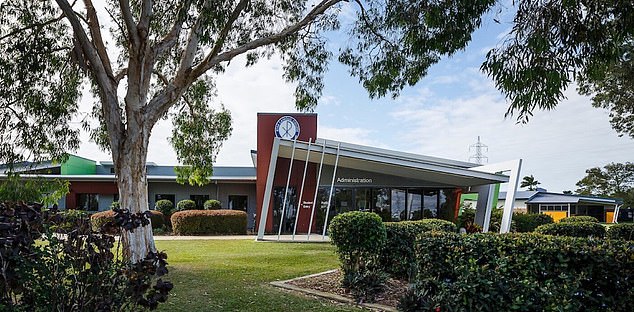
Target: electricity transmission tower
column 479, row 148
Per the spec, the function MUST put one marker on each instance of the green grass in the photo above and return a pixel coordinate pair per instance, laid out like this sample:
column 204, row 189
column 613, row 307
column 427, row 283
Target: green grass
column 233, row 275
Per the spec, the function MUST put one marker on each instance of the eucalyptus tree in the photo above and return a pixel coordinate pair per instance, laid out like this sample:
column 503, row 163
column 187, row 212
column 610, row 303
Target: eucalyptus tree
column 146, row 60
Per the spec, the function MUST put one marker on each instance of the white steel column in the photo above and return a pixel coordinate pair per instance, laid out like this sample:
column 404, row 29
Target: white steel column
column 301, row 191
column 288, row 181
column 568, row 213
column 264, row 211
column 514, row 166
column 615, row 218
column 312, row 211
column 489, row 208
column 332, row 186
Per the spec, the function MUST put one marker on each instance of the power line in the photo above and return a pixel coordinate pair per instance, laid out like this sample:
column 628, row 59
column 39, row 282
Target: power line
column 479, row 149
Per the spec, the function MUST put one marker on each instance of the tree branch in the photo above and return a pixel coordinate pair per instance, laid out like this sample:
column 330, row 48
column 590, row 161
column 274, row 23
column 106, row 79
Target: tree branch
column 95, row 33
column 34, row 25
column 107, row 89
column 143, row 28
column 225, row 30
column 204, row 66
column 171, row 38
column 133, row 36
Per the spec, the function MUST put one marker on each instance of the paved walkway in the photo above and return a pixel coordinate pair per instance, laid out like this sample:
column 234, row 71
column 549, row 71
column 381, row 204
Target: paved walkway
column 268, row 238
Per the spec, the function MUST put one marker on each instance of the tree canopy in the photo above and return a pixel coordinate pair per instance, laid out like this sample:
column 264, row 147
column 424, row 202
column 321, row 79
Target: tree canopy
column 613, row 180
column 554, row 44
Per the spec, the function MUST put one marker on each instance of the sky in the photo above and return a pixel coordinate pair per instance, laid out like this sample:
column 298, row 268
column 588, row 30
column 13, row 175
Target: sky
column 440, row 116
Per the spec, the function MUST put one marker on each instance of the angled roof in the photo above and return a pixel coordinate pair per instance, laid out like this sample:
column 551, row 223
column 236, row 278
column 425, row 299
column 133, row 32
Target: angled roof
column 442, row 171
column 556, row 198
column 519, row 195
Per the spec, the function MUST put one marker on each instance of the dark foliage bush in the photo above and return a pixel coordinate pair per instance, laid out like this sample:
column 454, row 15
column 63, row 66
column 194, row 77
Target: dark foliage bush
column 102, row 219
column 212, row 204
column 397, row 257
column 359, row 238
column 580, row 219
column 576, row 229
column 186, row 204
column 521, row 272
column 200, row 222
column 77, row 272
column 165, row 206
column 528, row 222
column 621, row 231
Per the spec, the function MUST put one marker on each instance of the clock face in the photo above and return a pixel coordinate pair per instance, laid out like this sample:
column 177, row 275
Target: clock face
column 287, row 127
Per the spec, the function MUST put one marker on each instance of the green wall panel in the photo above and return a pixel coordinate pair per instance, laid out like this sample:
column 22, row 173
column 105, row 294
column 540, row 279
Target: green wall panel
column 78, row 165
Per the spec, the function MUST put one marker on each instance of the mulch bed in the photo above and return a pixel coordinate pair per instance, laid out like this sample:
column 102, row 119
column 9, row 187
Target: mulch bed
column 331, row 283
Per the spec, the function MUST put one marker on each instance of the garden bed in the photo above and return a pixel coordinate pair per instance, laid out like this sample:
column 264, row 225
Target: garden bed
column 328, row 285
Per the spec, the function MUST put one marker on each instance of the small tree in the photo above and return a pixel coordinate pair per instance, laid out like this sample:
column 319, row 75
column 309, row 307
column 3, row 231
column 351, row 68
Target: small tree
column 530, row 182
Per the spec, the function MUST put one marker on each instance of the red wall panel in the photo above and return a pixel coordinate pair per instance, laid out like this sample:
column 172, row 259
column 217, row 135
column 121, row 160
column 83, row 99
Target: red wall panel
column 265, row 136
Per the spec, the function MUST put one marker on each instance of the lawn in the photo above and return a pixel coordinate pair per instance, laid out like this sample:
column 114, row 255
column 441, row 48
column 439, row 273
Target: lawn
column 233, row 275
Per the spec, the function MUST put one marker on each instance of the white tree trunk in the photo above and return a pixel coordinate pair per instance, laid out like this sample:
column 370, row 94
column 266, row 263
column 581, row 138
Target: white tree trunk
column 133, row 193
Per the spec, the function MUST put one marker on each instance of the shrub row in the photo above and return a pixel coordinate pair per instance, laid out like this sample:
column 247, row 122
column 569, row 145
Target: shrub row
column 575, row 229
column 527, row 272
column 99, row 219
column 200, row 222
column 212, row 204
column 186, row 204
column 397, row 256
column 580, row 219
column 165, row 206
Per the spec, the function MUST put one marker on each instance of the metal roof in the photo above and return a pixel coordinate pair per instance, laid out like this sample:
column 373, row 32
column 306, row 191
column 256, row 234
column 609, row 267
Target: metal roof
column 518, row 195
column 407, row 165
column 556, row 198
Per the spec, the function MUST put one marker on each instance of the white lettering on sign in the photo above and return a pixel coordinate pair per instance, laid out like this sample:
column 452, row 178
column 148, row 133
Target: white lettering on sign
column 354, row 180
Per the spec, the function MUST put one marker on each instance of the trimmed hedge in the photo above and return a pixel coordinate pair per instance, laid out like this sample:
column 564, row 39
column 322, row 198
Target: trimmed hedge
column 523, row 272
column 212, row 204
column 528, row 222
column 580, row 219
column 623, row 231
column 576, row 229
column 397, row 256
column 165, row 206
column 359, row 237
column 99, row 219
column 217, row 222
column 186, row 204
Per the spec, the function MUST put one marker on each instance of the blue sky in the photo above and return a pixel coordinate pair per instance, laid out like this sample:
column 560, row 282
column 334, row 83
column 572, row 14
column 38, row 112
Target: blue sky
column 440, row 116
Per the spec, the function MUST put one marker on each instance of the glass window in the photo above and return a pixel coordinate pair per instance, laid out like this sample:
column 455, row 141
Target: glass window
column 382, row 203
column 398, row 201
column 363, row 199
column 199, row 200
column 290, row 209
column 430, row 204
column 448, row 203
column 89, row 202
column 238, row 202
column 414, row 204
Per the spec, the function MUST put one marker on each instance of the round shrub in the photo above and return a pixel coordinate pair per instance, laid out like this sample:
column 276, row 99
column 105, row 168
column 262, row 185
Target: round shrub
column 580, row 219
column 528, row 222
column 114, row 205
column 576, row 229
column 623, row 231
column 165, row 206
column 99, row 219
column 359, row 238
column 186, row 204
column 212, row 204
column 201, row 222
column 357, row 233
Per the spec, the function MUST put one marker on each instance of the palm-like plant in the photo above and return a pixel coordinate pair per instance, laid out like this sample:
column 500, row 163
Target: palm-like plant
column 530, row 182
